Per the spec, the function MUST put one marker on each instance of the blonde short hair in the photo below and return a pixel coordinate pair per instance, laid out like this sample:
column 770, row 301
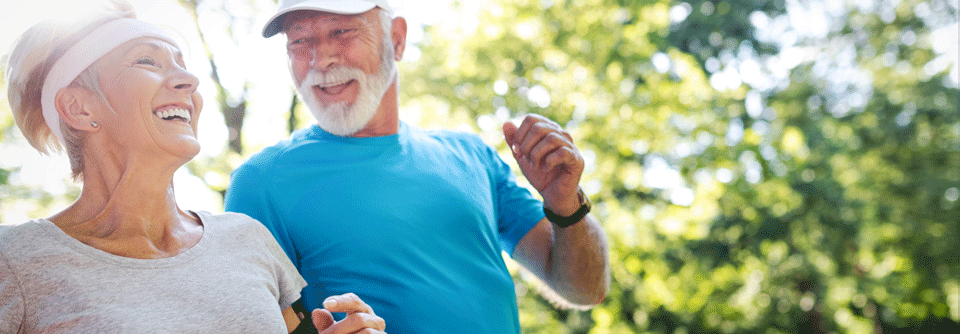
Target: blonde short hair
column 34, row 53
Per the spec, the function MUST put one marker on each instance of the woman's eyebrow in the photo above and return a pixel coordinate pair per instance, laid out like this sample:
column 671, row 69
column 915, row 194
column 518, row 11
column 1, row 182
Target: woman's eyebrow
column 152, row 46
column 177, row 54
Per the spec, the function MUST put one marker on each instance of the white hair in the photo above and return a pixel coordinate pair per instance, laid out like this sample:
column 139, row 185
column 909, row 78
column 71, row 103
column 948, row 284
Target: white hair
column 34, row 53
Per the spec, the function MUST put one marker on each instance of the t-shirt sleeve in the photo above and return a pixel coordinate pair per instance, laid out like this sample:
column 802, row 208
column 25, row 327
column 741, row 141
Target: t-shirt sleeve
column 248, row 194
column 289, row 279
column 11, row 298
column 517, row 210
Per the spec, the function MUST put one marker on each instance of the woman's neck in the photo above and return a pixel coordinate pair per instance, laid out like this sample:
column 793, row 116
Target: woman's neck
column 130, row 212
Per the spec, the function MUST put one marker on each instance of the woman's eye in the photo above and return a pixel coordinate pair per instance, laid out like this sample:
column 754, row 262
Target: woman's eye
column 145, row 61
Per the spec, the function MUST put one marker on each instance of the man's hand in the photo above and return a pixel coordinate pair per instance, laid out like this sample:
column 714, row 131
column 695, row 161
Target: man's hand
column 571, row 260
column 549, row 160
column 360, row 317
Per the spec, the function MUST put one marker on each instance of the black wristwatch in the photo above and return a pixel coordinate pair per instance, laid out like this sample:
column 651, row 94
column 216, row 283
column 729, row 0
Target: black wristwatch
column 562, row 221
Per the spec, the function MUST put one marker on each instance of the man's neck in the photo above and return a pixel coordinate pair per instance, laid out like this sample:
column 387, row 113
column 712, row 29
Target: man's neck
column 386, row 121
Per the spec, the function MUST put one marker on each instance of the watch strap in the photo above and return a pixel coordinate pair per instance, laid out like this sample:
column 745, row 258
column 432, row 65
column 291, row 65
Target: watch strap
column 562, row 221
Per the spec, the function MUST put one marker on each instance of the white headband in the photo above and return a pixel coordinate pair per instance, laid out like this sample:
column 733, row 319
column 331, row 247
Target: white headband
column 83, row 54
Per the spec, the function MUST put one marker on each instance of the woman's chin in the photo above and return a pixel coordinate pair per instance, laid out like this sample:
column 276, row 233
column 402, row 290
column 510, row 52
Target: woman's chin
column 187, row 148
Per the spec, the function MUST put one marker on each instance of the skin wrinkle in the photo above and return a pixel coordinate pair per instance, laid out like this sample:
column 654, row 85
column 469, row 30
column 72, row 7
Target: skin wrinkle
column 345, row 118
column 339, row 35
column 131, row 57
column 122, row 80
column 122, row 166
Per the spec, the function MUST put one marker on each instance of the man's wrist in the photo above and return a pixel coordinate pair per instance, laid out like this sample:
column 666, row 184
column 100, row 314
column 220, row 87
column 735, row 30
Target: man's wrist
column 568, row 205
column 569, row 217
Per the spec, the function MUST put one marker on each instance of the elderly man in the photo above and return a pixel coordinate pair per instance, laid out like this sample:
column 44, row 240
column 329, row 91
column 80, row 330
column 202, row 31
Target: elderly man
column 412, row 221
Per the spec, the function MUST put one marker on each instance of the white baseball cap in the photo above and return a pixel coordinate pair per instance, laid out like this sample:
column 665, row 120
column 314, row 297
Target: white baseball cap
column 347, row 7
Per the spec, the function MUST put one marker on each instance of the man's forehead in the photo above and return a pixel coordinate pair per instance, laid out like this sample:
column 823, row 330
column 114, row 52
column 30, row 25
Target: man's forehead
column 300, row 18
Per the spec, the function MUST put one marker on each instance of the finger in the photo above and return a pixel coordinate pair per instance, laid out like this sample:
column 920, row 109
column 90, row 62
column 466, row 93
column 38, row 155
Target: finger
column 538, row 132
column 346, row 303
column 371, row 331
column 322, row 319
column 366, row 320
column 549, row 144
column 509, row 130
column 563, row 157
column 357, row 322
column 525, row 125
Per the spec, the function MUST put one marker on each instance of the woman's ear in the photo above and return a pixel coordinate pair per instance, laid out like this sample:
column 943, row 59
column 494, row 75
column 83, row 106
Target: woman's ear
column 77, row 108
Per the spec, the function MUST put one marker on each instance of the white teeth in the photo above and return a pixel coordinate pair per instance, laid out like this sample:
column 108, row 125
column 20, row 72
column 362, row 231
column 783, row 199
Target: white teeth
column 183, row 113
column 325, row 86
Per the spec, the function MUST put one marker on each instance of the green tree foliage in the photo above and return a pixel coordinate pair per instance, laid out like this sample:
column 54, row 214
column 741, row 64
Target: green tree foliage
column 798, row 179
column 233, row 109
column 710, row 29
column 761, row 166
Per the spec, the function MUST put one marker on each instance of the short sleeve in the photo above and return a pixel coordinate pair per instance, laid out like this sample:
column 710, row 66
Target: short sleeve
column 289, row 280
column 517, row 210
column 11, row 299
column 247, row 194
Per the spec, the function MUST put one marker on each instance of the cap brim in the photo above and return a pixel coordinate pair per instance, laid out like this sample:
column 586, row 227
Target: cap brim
column 275, row 24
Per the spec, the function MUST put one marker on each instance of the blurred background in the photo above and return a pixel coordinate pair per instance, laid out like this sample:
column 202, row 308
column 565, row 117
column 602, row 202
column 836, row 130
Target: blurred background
column 760, row 166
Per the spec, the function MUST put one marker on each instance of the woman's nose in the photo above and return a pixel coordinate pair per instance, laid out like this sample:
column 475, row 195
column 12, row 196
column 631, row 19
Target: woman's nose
column 184, row 81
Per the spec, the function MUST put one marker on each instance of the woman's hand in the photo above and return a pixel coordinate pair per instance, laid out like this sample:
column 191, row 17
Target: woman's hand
column 360, row 317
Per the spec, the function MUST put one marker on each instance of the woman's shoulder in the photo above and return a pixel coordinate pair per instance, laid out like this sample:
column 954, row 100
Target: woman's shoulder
column 33, row 239
column 11, row 236
column 232, row 224
column 228, row 218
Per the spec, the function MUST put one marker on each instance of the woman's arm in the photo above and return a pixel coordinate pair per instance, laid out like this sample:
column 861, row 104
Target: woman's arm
column 11, row 298
column 291, row 318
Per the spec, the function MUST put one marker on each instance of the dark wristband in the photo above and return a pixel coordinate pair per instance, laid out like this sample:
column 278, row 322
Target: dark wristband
column 306, row 324
column 562, row 221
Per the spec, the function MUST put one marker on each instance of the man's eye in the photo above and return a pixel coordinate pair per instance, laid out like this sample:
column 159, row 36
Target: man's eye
column 145, row 61
column 342, row 31
column 298, row 41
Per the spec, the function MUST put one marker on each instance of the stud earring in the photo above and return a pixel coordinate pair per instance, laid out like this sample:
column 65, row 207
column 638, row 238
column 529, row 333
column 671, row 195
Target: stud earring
column 94, row 124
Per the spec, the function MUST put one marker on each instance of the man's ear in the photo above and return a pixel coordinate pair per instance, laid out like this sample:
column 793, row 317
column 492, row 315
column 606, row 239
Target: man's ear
column 399, row 35
column 77, row 108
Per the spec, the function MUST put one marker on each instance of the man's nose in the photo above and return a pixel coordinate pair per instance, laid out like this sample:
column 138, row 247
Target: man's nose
column 325, row 56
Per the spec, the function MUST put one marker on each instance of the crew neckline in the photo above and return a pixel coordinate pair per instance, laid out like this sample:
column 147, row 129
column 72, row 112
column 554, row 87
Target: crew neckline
column 389, row 140
column 96, row 254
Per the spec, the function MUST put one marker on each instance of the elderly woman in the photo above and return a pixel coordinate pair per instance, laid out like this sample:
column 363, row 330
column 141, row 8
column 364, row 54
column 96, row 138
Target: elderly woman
column 113, row 91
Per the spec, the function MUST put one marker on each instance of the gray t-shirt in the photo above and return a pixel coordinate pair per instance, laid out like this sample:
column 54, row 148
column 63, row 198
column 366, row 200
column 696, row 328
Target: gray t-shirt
column 235, row 280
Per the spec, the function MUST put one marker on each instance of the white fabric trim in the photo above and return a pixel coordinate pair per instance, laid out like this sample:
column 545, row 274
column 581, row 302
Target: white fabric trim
column 345, row 7
column 83, row 54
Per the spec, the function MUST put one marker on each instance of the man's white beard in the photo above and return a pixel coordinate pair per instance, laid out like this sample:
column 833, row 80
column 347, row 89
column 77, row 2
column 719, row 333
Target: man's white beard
column 344, row 118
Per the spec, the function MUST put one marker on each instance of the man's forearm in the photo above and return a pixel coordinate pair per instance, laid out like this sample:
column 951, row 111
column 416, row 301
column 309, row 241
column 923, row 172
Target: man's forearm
column 579, row 270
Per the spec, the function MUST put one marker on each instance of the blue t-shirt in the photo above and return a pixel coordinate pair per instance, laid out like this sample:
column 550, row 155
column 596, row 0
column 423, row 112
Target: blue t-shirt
column 413, row 223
